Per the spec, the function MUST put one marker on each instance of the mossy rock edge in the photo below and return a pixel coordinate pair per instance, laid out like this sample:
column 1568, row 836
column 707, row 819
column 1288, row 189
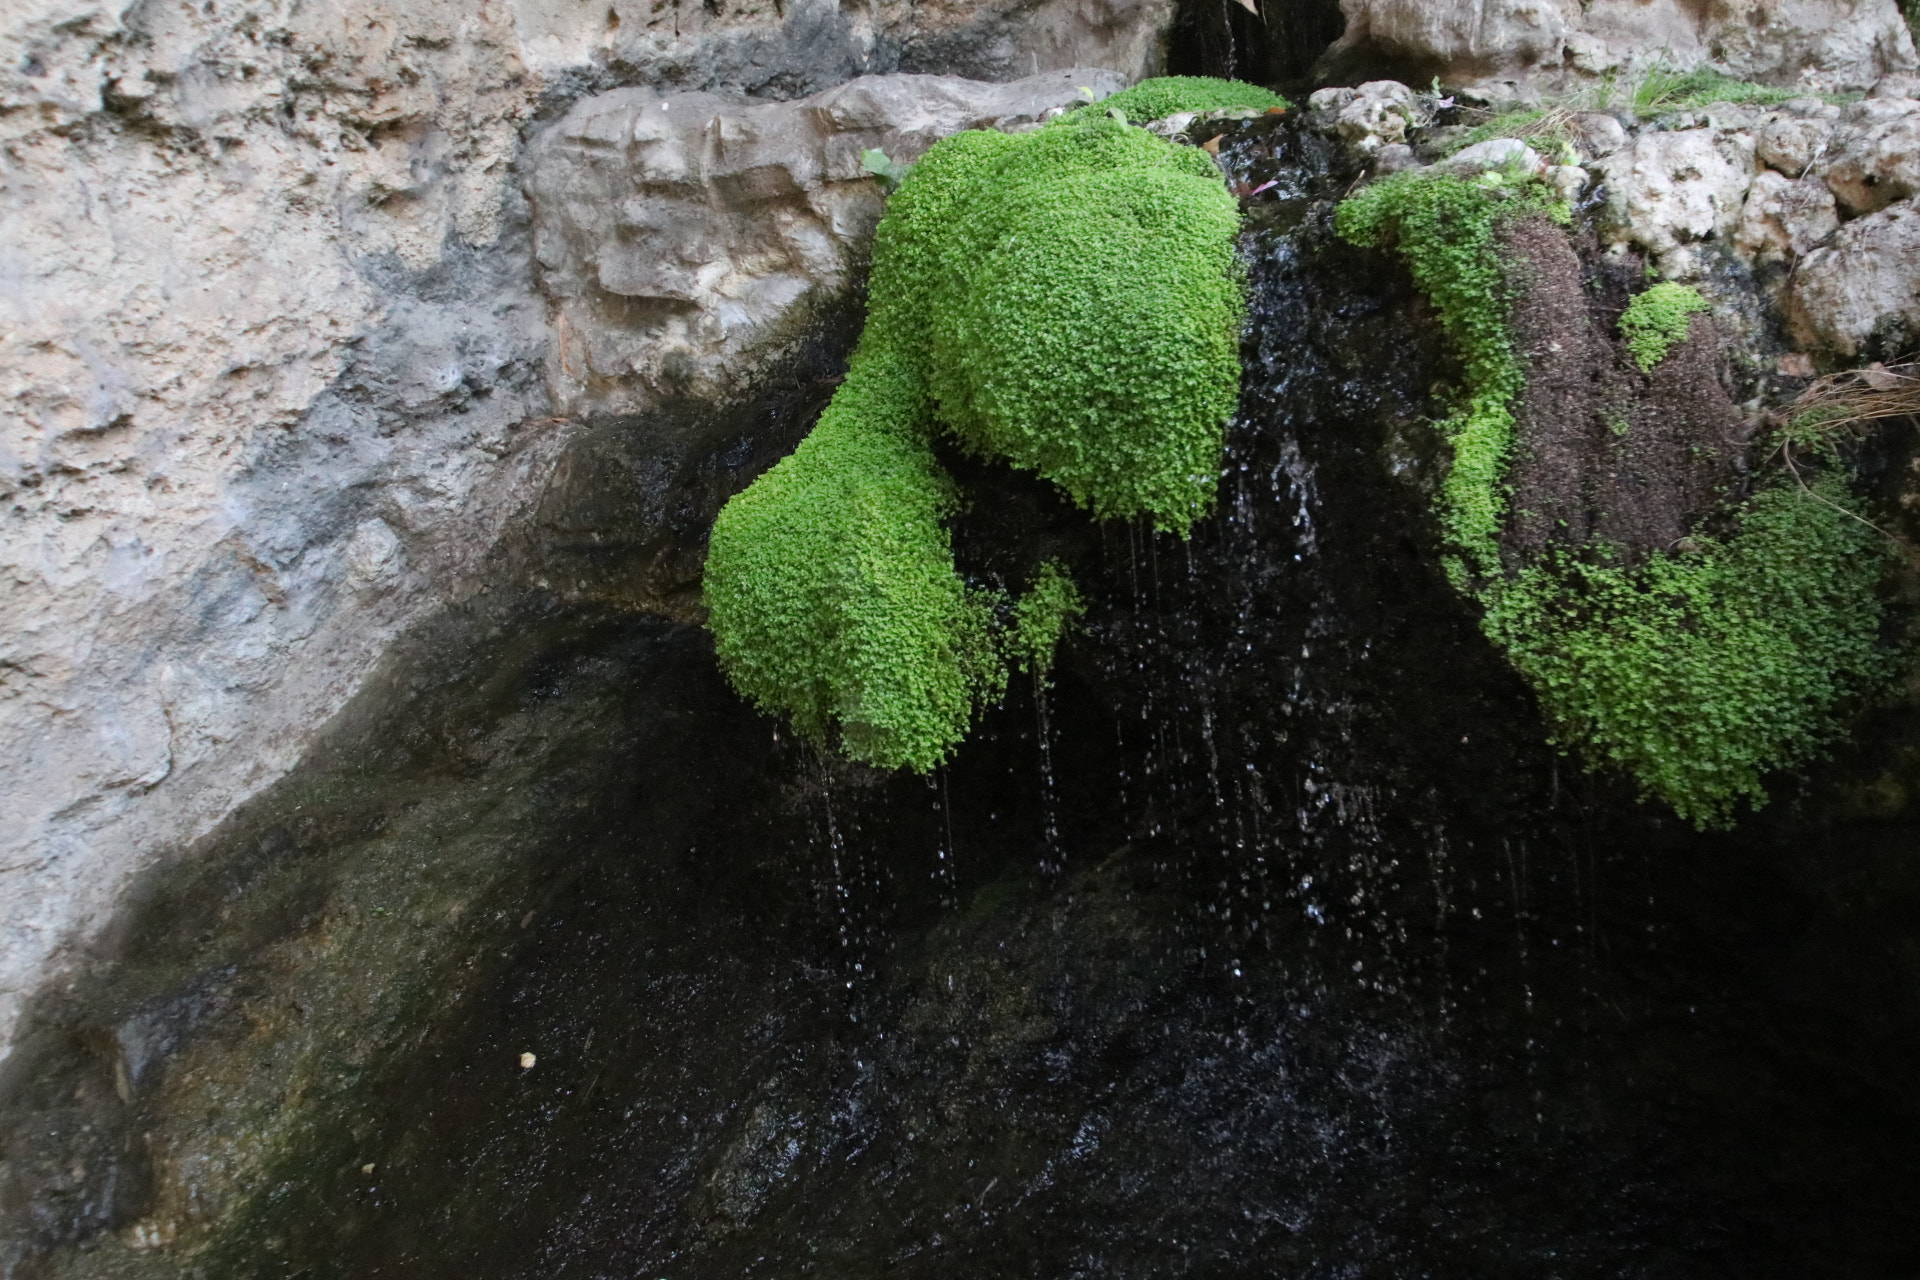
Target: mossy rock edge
column 1067, row 300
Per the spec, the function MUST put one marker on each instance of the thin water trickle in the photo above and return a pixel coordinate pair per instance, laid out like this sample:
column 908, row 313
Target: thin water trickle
column 1249, row 968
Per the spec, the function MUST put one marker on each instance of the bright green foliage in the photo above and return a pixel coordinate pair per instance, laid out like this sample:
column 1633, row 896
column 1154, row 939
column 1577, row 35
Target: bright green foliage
column 1082, row 312
column 1663, row 89
column 1444, row 227
column 1706, row 669
column 1171, row 95
column 1657, row 320
column 831, row 586
column 1697, row 672
column 1067, row 299
column 1041, row 618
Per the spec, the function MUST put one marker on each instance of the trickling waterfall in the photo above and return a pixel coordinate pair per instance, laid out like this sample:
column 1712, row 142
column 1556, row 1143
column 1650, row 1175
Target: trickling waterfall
column 1271, row 939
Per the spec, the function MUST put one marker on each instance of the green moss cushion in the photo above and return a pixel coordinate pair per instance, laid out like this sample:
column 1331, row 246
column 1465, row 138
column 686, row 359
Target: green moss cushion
column 1067, row 300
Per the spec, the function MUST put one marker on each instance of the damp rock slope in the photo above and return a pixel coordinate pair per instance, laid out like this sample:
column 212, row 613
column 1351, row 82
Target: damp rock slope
column 282, row 370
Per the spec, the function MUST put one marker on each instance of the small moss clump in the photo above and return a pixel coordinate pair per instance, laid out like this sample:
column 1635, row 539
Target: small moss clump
column 1657, row 321
column 1171, row 95
column 1697, row 671
column 1041, row 618
column 1066, row 299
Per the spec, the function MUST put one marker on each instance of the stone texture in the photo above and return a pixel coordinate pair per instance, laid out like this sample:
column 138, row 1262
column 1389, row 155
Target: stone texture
column 275, row 363
column 1794, row 144
column 1669, row 193
column 1824, row 43
column 686, row 238
column 1784, row 219
column 1377, row 114
column 1863, row 286
column 1495, row 153
column 1597, row 135
column 271, row 374
column 1876, row 154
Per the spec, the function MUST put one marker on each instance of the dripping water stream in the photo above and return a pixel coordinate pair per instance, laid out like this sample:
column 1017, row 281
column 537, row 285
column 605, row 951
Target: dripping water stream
column 1271, row 939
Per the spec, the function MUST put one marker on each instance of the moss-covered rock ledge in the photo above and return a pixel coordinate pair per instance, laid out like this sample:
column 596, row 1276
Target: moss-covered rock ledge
column 1690, row 603
column 1067, row 300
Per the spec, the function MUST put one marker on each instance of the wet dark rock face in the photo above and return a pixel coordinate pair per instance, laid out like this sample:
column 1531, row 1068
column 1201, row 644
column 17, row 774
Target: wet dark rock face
column 1271, row 940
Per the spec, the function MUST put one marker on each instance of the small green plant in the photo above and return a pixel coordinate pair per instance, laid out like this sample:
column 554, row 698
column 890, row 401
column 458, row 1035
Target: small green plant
column 888, row 170
column 1658, row 320
column 1041, row 619
column 1066, row 299
column 1664, row 89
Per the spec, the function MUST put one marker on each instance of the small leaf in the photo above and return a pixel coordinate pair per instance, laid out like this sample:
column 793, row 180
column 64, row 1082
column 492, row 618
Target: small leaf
column 875, row 161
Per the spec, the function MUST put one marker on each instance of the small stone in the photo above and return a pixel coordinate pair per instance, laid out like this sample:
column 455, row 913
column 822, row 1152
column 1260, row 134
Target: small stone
column 1377, row 115
column 1896, row 86
column 1395, row 157
column 1567, row 181
column 526, row 1061
column 366, row 1169
column 1598, row 134
column 1497, row 153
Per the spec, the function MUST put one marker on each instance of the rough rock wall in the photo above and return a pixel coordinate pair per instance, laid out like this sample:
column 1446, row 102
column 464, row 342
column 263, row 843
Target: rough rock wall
column 684, row 237
column 1799, row 219
column 1824, row 44
column 274, row 359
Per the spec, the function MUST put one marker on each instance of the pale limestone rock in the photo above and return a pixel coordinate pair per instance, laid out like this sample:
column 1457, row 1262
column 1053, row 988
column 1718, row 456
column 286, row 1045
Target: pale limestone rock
column 1793, row 144
column 1670, row 192
column 1784, row 218
column 1377, row 114
column 1830, row 44
column 1568, row 180
column 1331, row 99
column 1876, row 154
column 1395, row 157
column 1497, row 153
column 1598, row 135
column 1864, row 283
column 1826, row 44
column 686, row 238
column 1896, row 86
column 217, row 364
column 1465, row 38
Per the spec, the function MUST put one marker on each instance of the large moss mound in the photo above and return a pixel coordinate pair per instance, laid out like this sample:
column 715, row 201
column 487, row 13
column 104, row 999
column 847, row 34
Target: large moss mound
column 1067, row 300
column 1076, row 294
